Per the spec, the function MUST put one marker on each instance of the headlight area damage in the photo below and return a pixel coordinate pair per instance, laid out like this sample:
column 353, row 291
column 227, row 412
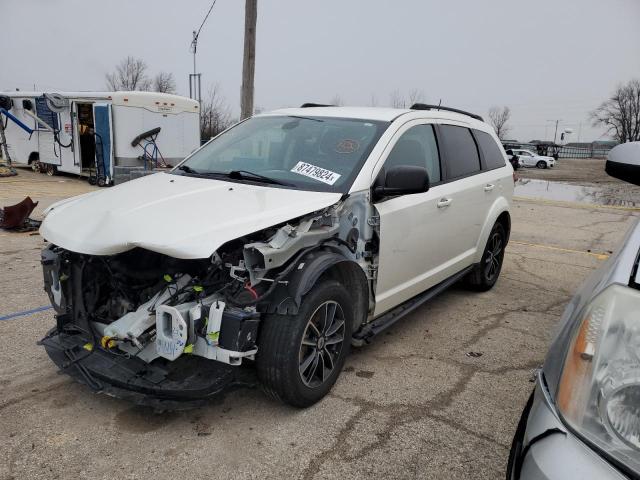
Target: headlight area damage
column 171, row 332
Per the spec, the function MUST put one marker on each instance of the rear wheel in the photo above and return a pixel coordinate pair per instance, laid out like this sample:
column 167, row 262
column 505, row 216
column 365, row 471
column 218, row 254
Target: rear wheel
column 485, row 275
column 300, row 357
column 541, row 164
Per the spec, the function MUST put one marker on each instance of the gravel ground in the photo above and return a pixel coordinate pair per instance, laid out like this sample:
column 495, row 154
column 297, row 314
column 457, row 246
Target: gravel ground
column 412, row 404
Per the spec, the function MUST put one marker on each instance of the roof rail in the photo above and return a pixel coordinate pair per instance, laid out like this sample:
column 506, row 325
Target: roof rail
column 424, row 106
column 309, row 105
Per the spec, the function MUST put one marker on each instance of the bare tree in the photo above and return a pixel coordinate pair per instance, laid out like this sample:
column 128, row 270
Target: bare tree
column 416, row 96
column 164, row 82
column 398, row 100
column 620, row 114
column 215, row 115
column 336, row 100
column 130, row 74
column 498, row 118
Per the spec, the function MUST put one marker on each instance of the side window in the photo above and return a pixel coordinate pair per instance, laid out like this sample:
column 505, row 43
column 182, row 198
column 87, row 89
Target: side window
column 417, row 147
column 490, row 151
column 461, row 152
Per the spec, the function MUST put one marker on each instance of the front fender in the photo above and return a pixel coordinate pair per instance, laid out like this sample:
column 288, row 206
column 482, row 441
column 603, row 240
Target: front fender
column 286, row 300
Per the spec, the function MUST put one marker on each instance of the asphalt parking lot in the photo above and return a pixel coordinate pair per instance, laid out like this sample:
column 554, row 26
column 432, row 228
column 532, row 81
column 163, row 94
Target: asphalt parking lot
column 437, row 396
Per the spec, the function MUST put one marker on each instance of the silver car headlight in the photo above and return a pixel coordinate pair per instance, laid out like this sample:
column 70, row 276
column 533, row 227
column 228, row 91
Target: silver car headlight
column 599, row 391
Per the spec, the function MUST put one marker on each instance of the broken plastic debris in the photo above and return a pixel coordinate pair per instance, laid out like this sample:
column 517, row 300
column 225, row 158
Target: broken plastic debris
column 474, row 354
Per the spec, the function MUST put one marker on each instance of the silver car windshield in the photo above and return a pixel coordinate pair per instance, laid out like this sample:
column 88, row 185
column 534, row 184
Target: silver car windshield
column 308, row 153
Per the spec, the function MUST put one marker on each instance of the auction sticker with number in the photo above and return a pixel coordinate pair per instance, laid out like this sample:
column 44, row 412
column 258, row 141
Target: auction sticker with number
column 317, row 173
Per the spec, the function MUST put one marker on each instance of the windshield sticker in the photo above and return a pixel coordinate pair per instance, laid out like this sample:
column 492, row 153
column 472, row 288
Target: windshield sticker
column 317, row 173
column 347, row 146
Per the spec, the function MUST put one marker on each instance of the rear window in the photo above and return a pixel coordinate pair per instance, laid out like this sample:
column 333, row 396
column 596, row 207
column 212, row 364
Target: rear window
column 490, row 151
column 461, row 152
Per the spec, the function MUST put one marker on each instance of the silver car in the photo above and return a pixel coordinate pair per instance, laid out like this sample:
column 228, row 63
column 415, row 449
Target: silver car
column 583, row 418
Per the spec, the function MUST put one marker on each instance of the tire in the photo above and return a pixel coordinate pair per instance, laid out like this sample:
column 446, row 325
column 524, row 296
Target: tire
column 51, row 170
column 541, row 164
column 296, row 362
column 485, row 275
column 513, row 464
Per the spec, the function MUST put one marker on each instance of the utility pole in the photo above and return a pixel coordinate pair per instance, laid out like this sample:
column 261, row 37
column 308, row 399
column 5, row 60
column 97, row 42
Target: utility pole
column 249, row 59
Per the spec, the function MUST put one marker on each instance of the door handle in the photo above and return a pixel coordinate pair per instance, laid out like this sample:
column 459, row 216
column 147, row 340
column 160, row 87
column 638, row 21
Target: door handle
column 444, row 202
column 488, row 187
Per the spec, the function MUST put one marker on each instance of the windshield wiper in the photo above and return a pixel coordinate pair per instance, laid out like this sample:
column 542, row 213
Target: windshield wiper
column 188, row 169
column 236, row 175
column 306, row 118
column 243, row 174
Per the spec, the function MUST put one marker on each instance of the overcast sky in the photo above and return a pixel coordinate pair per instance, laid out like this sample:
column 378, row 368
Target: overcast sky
column 546, row 59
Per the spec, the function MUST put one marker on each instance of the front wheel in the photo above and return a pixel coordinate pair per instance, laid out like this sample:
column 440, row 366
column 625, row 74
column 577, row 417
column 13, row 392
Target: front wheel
column 541, row 164
column 485, row 275
column 301, row 356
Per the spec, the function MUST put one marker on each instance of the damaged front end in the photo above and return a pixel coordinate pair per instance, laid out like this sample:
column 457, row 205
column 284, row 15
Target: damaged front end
column 171, row 332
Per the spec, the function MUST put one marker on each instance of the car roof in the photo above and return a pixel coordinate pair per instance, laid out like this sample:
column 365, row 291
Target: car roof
column 376, row 114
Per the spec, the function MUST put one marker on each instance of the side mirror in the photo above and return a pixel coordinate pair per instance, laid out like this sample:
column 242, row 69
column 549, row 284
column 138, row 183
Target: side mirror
column 402, row 180
column 623, row 162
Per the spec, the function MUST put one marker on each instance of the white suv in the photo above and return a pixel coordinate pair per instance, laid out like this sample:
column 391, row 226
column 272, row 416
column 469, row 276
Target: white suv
column 283, row 241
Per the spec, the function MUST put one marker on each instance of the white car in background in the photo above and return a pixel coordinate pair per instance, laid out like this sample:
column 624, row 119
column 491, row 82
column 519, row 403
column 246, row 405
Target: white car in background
column 526, row 158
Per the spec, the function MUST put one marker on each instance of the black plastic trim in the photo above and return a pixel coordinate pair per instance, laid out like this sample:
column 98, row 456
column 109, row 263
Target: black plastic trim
column 387, row 319
column 424, row 106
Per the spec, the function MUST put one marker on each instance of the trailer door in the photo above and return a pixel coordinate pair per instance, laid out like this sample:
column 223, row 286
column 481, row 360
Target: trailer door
column 104, row 135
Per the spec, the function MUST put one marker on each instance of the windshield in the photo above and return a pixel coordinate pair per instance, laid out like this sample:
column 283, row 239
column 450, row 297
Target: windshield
column 308, row 153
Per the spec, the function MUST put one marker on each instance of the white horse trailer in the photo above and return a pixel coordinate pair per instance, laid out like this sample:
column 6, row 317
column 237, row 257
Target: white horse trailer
column 93, row 133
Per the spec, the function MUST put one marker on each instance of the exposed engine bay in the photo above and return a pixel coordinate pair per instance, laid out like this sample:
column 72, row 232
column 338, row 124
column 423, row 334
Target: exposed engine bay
column 139, row 318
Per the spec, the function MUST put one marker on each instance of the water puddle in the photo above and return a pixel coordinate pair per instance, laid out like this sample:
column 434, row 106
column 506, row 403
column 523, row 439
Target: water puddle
column 595, row 195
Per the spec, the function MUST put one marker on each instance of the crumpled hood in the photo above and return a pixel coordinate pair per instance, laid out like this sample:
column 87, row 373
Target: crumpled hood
column 180, row 216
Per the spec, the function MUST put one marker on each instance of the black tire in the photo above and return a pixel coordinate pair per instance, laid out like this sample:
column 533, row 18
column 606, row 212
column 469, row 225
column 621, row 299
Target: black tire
column 52, row 170
column 485, row 275
column 294, row 351
column 102, row 181
column 541, row 164
column 514, row 462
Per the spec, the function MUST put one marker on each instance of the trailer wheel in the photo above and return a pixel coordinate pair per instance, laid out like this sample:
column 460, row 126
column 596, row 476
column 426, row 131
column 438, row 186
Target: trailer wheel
column 51, row 170
column 301, row 356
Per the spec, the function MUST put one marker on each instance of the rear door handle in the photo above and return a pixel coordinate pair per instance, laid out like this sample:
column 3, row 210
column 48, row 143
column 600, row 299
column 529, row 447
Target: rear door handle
column 444, row 202
column 488, row 187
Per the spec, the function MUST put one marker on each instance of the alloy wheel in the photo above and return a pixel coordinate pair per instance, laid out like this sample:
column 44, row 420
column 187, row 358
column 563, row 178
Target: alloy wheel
column 493, row 256
column 322, row 343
